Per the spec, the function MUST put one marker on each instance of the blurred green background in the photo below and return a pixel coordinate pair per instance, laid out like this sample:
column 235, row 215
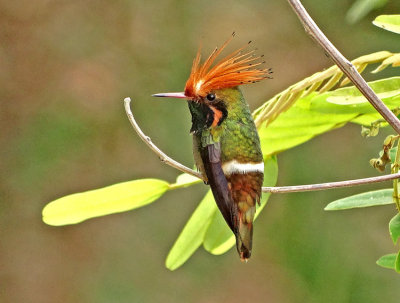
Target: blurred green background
column 65, row 67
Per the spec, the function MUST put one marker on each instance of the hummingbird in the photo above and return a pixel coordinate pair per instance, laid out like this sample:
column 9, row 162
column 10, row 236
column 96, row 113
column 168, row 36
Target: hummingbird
column 226, row 145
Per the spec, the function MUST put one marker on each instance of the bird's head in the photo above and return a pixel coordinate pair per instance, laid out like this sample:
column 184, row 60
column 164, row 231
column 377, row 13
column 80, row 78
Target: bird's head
column 206, row 82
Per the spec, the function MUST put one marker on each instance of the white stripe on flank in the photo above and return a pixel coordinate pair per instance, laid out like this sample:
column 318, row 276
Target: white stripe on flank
column 234, row 167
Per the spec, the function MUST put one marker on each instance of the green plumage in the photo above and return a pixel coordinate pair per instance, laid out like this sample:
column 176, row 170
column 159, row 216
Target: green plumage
column 237, row 133
column 239, row 137
column 223, row 130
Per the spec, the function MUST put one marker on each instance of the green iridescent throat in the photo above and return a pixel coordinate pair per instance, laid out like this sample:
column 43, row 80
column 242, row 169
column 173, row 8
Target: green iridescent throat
column 237, row 133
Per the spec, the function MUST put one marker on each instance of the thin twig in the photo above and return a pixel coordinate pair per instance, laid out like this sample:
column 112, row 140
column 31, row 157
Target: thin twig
column 395, row 169
column 163, row 157
column 351, row 72
column 329, row 185
column 284, row 189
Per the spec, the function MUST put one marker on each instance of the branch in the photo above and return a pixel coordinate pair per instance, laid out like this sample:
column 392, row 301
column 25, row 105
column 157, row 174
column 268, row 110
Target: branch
column 329, row 185
column 284, row 189
column 163, row 157
column 351, row 72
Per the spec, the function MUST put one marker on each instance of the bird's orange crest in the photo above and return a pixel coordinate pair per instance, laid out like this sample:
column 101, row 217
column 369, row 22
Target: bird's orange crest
column 238, row 68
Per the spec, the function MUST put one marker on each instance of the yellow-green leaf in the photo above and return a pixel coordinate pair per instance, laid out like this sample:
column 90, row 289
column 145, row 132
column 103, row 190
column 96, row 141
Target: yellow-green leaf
column 219, row 237
column 372, row 58
column 393, row 60
column 192, row 234
column 388, row 22
column 298, row 125
column 367, row 119
column 185, row 180
column 397, row 263
column 387, row 261
column 394, row 228
column 371, row 198
column 104, row 201
column 385, row 88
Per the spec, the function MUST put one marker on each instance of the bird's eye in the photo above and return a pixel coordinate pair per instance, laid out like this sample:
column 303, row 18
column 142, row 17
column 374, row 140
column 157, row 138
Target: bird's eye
column 210, row 97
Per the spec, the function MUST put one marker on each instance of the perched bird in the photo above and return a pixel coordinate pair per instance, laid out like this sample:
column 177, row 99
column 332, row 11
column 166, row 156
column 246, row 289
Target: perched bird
column 226, row 146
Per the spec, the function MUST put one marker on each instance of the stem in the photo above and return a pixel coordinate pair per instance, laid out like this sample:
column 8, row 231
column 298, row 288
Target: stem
column 163, row 157
column 284, row 189
column 329, row 185
column 395, row 169
column 351, row 72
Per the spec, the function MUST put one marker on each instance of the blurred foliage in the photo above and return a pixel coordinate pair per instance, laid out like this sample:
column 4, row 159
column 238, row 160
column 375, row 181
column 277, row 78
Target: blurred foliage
column 65, row 68
column 360, row 8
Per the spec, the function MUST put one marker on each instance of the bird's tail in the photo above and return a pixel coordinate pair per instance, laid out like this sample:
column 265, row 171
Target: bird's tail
column 244, row 235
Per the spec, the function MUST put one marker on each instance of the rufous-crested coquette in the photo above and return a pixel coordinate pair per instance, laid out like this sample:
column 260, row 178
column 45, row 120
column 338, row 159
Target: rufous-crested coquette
column 226, row 145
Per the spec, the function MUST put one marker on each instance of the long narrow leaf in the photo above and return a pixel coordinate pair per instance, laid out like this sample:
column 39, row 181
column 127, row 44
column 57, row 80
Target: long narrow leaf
column 386, row 89
column 388, row 22
column 192, row 234
column 99, row 202
column 394, row 228
column 371, row 198
column 298, row 125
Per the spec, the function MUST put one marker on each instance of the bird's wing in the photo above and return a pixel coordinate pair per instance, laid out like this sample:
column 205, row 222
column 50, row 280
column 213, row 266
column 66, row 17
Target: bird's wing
column 211, row 158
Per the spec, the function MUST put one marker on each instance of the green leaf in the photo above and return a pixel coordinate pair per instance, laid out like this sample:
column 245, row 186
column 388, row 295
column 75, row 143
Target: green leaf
column 373, row 58
column 391, row 261
column 371, row 198
column 185, row 180
column 192, row 234
column 313, row 115
column 393, row 60
column 219, row 237
column 387, row 261
column 388, row 22
column 298, row 125
column 392, row 154
column 367, row 119
column 116, row 198
column 397, row 263
column 387, row 89
column 361, row 8
column 394, row 228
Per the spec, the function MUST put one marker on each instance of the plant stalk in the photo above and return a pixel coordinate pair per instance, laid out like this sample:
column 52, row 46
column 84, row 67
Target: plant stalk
column 284, row 189
column 345, row 65
column 395, row 169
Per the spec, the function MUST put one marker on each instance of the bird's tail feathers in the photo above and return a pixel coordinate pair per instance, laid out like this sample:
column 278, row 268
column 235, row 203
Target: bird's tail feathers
column 244, row 234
